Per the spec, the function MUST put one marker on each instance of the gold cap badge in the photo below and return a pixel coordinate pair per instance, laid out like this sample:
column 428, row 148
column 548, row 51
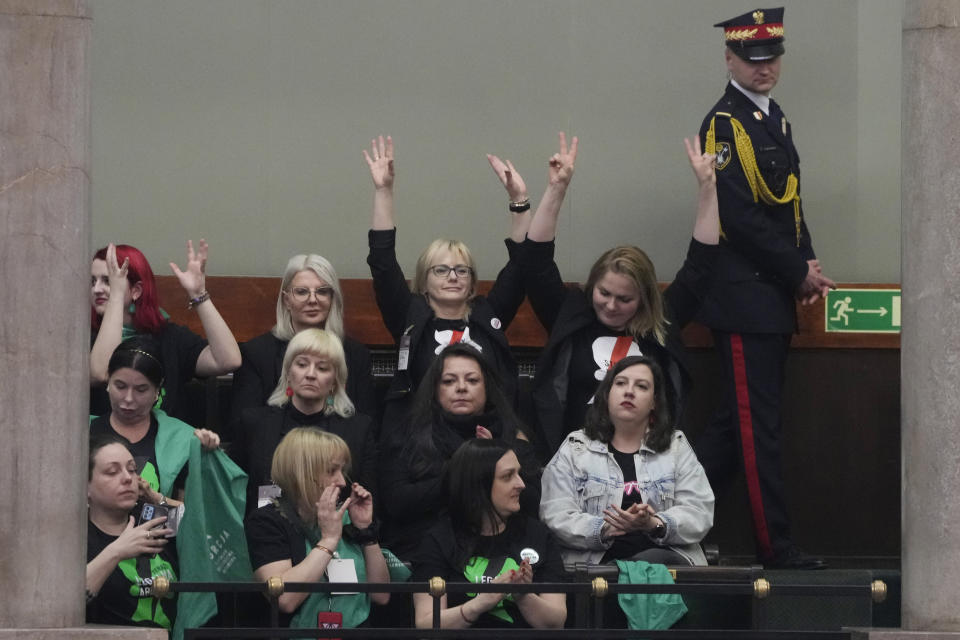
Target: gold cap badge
column 758, row 17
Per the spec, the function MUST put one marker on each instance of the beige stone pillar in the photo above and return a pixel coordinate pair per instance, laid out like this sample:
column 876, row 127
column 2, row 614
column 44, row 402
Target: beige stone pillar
column 44, row 340
column 930, row 247
column 44, row 331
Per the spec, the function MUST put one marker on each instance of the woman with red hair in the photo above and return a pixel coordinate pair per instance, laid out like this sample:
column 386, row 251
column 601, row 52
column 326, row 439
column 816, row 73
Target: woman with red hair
column 124, row 303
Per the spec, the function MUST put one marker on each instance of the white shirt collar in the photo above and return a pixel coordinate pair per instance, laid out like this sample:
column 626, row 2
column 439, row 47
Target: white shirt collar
column 758, row 99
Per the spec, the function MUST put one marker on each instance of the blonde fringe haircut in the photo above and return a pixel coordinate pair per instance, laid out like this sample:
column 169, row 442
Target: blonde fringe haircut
column 302, row 460
column 321, row 266
column 426, row 260
column 634, row 264
column 326, row 345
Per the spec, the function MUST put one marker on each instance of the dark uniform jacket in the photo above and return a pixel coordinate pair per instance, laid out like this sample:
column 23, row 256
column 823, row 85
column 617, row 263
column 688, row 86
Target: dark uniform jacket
column 760, row 264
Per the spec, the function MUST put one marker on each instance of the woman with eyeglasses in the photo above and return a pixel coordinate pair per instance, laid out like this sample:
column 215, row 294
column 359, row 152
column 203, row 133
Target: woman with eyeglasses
column 310, row 298
column 442, row 305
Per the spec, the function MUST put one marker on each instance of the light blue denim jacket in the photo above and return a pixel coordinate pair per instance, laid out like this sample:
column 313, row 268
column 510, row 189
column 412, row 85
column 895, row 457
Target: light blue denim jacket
column 583, row 478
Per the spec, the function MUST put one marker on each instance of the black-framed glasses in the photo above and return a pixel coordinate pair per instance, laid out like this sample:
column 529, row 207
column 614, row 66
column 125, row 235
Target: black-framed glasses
column 302, row 294
column 443, row 270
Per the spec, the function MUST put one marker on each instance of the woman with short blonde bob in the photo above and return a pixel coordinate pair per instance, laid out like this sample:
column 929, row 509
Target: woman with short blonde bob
column 311, row 392
column 297, row 535
column 442, row 306
column 310, row 297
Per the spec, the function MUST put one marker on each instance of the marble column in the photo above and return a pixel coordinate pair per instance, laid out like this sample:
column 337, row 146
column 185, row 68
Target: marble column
column 930, row 362
column 44, row 247
column 44, row 335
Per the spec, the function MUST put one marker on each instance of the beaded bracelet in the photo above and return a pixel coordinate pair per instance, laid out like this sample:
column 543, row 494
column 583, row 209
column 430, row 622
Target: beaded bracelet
column 200, row 299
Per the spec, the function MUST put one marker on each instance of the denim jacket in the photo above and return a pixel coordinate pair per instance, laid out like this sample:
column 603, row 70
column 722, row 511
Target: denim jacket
column 583, row 478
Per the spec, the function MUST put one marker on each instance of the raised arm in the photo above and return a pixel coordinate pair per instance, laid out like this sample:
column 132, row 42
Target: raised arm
column 380, row 161
column 706, row 228
column 516, row 188
column 111, row 325
column 222, row 354
column 543, row 227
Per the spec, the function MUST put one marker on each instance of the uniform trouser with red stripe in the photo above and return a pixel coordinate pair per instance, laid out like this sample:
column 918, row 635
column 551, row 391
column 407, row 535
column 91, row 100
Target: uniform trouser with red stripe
column 745, row 432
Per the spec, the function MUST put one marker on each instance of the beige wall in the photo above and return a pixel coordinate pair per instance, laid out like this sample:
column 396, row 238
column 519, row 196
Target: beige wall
column 243, row 121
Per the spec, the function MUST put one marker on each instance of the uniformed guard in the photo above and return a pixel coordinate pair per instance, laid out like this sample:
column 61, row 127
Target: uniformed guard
column 766, row 263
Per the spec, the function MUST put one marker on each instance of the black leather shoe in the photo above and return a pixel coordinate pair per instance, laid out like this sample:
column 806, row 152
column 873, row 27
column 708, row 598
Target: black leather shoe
column 795, row 559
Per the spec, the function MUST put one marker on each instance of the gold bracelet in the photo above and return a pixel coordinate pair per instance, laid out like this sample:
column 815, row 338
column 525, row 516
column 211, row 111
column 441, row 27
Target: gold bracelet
column 323, row 548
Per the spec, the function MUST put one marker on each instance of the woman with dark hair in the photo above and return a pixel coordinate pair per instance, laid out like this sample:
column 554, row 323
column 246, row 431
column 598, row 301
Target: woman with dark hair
column 460, row 398
column 619, row 312
column 310, row 297
column 301, row 535
column 311, row 392
column 123, row 558
column 486, row 539
column 442, row 305
column 628, row 486
column 179, row 465
column 124, row 303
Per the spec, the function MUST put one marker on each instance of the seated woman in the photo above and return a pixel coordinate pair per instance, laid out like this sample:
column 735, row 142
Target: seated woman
column 459, row 399
column 123, row 559
column 298, row 535
column 620, row 311
column 441, row 306
column 486, row 539
column 176, row 470
column 628, row 486
column 309, row 298
column 124, row 303
column 311, row 393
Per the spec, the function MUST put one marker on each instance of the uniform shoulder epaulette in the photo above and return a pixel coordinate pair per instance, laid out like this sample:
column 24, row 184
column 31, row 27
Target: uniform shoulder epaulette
column 724, row 114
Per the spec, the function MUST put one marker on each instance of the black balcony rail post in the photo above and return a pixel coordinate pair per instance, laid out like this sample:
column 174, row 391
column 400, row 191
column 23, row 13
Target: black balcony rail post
column 438, row 587
column 599, row 592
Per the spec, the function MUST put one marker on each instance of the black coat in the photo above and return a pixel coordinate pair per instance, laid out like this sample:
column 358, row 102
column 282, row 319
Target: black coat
column 564, row 311
column 763, row 257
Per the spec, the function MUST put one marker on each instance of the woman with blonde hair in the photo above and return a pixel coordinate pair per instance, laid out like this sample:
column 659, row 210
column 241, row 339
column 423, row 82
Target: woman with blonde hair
column 311, row 392
column 442, row 306
column 310, row 297
column 297, row 535
column 620, row 312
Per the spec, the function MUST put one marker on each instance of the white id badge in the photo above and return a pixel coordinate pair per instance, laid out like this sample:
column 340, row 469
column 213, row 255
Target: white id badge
column 266, row 493
column 403, row 357
column 342, row 570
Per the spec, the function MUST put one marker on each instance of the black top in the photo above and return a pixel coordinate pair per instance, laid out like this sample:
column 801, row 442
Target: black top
column 439, row 551
column 761, row 260
column 567, row 313
column 144, row 451
column 408, row 316
column 413, row 499
column 257, row 377
column 180, row 349
column 630, row 544
column 116, row 603
column 262, row 428
column 272, row 538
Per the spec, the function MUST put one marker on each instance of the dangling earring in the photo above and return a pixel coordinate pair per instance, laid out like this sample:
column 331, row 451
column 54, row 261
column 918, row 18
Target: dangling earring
column 132, row 309
column 330, row 400
column 289, row 392
column 161, row 393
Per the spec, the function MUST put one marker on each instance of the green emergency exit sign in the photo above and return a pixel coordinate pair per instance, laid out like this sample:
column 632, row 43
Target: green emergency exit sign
column 862, row 311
